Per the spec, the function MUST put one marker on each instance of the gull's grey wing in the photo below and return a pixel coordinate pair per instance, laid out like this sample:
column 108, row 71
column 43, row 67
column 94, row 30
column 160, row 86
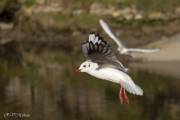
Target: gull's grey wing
column 98, row 50
column 111, row 34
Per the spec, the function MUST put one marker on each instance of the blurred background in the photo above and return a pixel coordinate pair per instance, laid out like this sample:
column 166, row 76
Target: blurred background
column 40, row 48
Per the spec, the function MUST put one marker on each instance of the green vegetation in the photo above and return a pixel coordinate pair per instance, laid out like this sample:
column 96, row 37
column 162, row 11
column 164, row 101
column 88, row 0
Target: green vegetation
column 68, row 20
column 153, row 5
column 30, row 2
column 2, row 3
column 146, row 5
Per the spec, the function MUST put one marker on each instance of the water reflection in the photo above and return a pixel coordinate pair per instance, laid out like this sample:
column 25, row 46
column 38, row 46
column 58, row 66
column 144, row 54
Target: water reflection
column 55, row 92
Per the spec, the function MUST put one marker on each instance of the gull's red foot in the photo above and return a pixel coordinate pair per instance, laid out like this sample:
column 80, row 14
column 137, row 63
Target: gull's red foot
column 121, row 96
column 125, row 96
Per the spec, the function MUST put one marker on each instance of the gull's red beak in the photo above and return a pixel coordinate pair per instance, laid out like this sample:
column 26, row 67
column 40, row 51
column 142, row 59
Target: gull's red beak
column 77, row 70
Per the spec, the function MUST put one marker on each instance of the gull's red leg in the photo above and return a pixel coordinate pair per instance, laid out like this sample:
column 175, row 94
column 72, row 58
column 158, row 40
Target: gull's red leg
column 125, row 96
column 120, row 96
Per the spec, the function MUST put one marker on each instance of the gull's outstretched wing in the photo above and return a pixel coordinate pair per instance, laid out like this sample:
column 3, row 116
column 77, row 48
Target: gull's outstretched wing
column 107, row 29
column 143, row 50
column 121, row 48
column 98, row 50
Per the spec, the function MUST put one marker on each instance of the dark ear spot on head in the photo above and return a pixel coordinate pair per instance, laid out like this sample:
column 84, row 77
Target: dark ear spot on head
column 89, row 65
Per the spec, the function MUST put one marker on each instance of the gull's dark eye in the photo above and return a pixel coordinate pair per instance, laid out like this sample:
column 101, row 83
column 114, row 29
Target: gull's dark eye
column 84, row 66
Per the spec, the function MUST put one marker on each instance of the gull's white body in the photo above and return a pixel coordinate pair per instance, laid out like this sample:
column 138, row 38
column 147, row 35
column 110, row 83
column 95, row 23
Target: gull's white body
column 109, row 74
column 121, row 47
column 113, row 75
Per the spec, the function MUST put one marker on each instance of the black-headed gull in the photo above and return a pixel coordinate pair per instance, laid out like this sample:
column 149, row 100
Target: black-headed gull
column 121, row 47
column 103, row 64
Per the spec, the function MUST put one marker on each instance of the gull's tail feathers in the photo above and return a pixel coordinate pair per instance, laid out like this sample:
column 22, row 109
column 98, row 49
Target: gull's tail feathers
column 136, row 90
column 130, row 86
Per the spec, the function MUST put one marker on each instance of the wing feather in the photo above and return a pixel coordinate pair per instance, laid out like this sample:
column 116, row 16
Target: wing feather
column 111, row 34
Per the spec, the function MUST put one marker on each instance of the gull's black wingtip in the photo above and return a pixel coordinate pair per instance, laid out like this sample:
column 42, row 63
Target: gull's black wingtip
column 94, row 33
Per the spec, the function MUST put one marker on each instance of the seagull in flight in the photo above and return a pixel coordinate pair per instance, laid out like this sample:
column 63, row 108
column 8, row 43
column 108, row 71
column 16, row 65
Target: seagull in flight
column 103, row 64
column 121, row 47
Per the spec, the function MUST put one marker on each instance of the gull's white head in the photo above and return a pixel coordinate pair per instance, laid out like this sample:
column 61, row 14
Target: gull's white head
column 87, row 66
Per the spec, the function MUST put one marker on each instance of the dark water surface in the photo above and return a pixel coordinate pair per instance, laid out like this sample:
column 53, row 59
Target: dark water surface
column 54, row 92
